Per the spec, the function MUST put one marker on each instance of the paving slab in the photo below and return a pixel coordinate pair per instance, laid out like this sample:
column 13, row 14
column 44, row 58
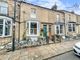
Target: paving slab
column 39, row 52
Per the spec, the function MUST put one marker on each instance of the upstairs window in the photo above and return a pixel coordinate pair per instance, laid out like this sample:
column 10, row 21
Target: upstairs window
column 69, row 17
column 3, row 8
column 33, row 13
column 58, row 17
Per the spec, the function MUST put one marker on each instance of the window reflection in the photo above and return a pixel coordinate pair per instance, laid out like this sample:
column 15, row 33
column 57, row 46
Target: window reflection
column 33, row 29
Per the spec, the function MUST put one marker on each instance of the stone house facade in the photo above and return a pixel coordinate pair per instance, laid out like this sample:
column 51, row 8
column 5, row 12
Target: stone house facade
column 31, row 20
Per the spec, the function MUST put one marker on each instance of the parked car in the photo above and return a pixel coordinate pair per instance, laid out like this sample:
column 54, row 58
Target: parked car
column 76, row 48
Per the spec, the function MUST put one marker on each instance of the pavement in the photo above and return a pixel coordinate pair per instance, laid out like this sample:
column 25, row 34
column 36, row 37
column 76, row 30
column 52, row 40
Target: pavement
column 39, row 52
column 67, row 56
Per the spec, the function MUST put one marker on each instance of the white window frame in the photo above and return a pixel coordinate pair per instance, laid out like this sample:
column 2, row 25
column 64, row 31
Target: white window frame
column 72, row 25
column 28, row 28
column 59, row 29
column 4, row 20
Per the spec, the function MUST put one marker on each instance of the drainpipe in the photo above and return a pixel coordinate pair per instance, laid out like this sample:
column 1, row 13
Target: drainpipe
column 64, row 24
column 19, row 22
column 13, row 38
column 77, row 24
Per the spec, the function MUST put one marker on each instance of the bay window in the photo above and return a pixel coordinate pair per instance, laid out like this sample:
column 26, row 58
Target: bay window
column 5, row 27
column 59, row 29
column 33, row 28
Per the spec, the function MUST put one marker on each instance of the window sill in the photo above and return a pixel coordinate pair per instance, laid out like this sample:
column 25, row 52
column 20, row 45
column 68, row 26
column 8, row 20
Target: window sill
column 32, row 35
column 5, row 36
column 72, row 31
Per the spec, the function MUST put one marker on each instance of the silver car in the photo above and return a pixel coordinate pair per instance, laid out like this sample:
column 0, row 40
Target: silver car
column 76, row 48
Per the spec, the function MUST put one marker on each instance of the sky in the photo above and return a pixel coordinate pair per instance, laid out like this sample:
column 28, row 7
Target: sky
column 69, row 5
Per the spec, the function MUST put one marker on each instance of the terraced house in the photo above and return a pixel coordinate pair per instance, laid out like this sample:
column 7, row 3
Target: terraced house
column 71, row 23
column 34, row 21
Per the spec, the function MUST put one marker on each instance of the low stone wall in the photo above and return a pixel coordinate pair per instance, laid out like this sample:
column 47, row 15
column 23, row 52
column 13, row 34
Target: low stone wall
column 5, row 40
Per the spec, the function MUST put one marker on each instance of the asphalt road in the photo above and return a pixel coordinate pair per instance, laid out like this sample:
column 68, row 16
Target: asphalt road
column 66, row 56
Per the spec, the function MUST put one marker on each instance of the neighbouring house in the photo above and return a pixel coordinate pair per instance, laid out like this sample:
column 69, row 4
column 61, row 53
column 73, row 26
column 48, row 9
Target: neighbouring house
column 70, row 20
column 32, row 20
column 78, row 24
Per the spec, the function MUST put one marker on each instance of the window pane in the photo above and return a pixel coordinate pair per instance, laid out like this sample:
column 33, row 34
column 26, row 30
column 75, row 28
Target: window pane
column 49, row 28
column 3, row 7
column 58, row 17
column 33, row 13
column 3, row 4
column 7, row 27
column 61, row 28
column 1, row 21
column 73, row 27
column 33, row 25
column 1, row 30
column 3, row 0
column 33, row 29
column 28, row 28
column 69, row 27
column 57, row 29
column 3, row 10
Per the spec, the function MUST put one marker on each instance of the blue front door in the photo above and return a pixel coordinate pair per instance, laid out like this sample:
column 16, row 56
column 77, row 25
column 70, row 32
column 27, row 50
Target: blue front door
column 44, row 30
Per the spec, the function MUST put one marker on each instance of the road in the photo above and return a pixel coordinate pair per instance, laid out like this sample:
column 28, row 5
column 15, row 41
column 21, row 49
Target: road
column 66, row 56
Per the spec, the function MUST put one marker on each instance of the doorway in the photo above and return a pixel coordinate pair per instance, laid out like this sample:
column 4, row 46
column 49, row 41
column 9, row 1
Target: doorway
column 44, row 30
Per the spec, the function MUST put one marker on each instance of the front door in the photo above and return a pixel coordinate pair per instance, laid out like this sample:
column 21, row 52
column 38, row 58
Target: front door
column 49, row 30
column 44, row 30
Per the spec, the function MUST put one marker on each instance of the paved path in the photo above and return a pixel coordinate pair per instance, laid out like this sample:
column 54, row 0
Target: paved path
column 40, row 52
column 66, row 56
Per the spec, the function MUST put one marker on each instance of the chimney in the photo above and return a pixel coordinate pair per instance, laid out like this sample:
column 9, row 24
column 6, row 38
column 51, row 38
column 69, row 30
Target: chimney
column 54, row 7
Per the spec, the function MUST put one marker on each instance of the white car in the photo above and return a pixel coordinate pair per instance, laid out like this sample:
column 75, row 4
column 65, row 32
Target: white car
column 76, row 48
